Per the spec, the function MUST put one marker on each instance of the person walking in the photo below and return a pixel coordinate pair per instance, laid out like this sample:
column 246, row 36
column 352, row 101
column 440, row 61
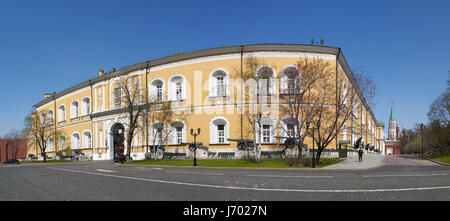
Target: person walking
column 360, row 154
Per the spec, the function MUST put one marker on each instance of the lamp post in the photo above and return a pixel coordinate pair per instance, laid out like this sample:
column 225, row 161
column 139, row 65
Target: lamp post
column 313, row 161
column 194, row 147
column 421, row 129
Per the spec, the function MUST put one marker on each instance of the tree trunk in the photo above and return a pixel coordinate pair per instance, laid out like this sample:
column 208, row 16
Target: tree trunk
column 319, row 152
column 128, row 156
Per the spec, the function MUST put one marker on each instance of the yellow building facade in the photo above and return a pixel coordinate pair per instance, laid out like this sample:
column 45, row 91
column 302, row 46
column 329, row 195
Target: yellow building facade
column 201, row 88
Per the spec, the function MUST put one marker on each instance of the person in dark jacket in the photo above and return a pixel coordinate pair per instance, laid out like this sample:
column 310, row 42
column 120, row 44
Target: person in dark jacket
column 360, row 154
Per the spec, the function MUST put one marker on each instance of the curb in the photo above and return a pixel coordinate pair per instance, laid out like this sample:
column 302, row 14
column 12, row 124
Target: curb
column 435, row 161
column 250, row 168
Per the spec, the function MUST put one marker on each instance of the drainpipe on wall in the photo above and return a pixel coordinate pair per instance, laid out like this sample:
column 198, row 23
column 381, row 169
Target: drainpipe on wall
column 242, row 54
column 146, row 109
column 55, row 145
column 92, row 122
column 337, row 58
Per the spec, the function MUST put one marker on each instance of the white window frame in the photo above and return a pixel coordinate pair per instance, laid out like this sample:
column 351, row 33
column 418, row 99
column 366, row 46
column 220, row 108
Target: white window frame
column 75, row 145
column 62, row 145
column 117, row 101
column 267, row 120
column 266, row 128
column 285, row 80
column 173, row 88
column 270, row 87
column 86, row 140
column 214, row 130
column 49, row 116
column 50, row 145
column 85, row 106
column 61, row 113
column 74, row 111
column 174, row 133
column 219, row 88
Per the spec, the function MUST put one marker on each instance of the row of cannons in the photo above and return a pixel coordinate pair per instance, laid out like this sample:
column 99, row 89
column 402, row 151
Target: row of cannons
column 289, row 143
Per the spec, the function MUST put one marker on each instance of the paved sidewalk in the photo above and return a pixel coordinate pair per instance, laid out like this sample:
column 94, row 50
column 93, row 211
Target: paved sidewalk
column 370, row 160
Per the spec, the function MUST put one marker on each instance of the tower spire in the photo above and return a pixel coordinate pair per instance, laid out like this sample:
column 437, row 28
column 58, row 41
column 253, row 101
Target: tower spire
column 392, row 111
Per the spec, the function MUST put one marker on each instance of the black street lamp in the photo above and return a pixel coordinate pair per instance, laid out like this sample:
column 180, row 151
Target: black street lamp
column 421, row 128
column 313, row 160
column 194, row 147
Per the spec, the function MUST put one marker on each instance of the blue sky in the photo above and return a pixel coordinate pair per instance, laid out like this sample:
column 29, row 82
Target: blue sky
column 48, row 46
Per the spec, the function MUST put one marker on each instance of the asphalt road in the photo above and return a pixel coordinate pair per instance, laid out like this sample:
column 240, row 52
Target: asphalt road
column 400, row 178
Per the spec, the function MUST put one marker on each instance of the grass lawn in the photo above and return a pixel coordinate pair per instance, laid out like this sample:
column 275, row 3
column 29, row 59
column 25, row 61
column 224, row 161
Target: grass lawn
column 48, row 161
column 441, row 158
column 265, row 163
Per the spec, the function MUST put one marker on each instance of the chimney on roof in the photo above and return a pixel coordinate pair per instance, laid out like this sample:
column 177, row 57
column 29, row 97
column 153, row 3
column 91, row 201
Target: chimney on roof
column 47, row 95
column 100, row 72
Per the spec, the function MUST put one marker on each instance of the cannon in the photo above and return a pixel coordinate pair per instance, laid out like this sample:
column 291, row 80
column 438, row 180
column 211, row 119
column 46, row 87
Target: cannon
column 358, row 143
column 290, row 142
column 154, row 148
column 243, row 144
column 195, row 146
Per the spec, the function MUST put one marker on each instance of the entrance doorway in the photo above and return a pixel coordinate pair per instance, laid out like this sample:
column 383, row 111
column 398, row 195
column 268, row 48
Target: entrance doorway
column 118, row 133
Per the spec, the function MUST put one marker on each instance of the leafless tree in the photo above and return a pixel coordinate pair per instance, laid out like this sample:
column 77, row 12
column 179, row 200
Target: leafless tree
column 440, row 109
column 257, row 86
column 367, row 86
column 13, row 141
column 331, row 104
column 297, row 95
column 129, row 95
column 160, row 114
column 40, row 130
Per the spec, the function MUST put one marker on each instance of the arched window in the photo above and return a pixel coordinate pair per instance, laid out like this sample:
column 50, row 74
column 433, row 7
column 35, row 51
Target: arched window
column 62, row 142
column 177, row 132
column 363, row 117
column 218, row 82
column 219, row 130
column 264, row 75
column 355, row 108
column 157, row 90
column 50, row 116
column 87, row 139
column 353, row 138
column 43, row 119
column 50, row 145
column 74, row 110
column 177, row 87
column 117, row 95
column 267, row 130
column 61, row 113
column 344, row 132
column 85, row 106
column 289, row 128
column 344, row 94
column 290, row 80
column 157, row 134
column 75, row 141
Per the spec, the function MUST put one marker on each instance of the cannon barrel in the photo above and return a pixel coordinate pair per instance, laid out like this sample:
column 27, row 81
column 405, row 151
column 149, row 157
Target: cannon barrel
column 192, row 143
column 241, row 140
